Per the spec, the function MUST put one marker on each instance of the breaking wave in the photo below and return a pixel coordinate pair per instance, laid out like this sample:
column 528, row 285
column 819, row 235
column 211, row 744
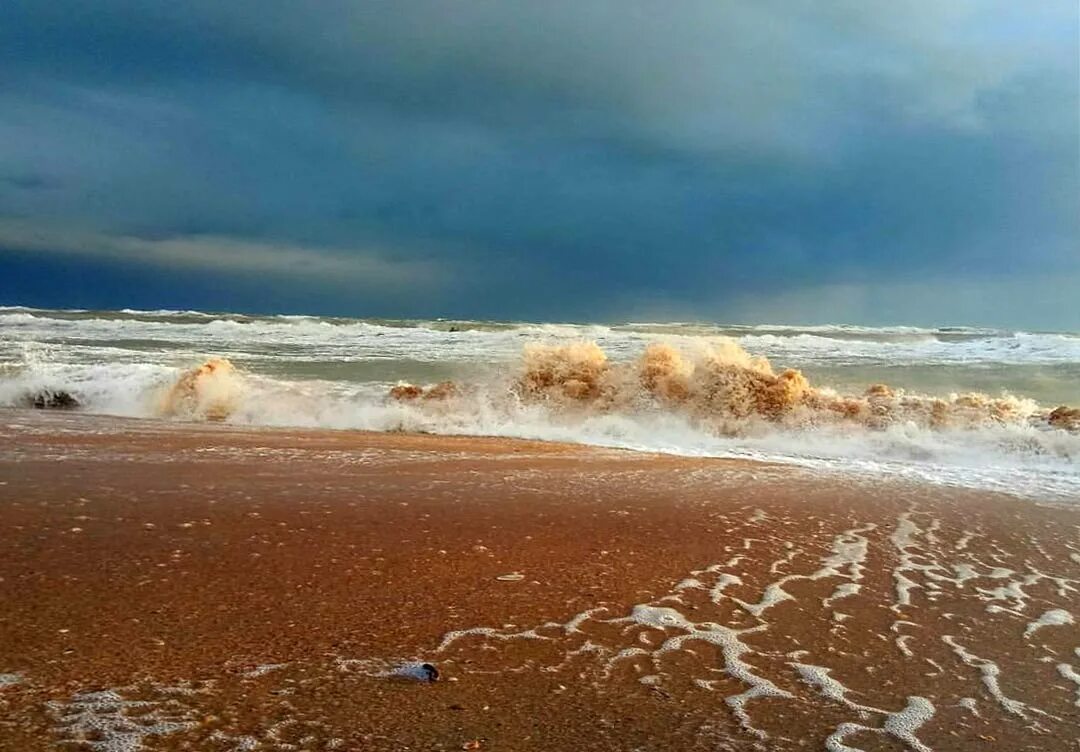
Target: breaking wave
column 708, row 398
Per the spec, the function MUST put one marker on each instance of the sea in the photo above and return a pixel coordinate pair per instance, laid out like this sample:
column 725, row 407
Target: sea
column 959, row 406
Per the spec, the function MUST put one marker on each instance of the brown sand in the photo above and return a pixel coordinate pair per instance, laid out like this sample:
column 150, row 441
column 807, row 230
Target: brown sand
column 222, row 589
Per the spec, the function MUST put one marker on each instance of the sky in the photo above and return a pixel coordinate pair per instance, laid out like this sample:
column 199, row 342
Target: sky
column 783, row 161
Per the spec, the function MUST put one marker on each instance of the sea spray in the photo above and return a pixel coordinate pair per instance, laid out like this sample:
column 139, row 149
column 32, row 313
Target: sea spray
column 211, row 391
column 723, row 389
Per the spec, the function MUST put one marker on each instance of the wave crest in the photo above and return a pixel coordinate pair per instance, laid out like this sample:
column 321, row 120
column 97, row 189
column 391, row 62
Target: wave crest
column 211, row 391
column 720, row 386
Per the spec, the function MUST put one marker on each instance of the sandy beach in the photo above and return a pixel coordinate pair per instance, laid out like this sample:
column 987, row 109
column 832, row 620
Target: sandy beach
column 202, row 587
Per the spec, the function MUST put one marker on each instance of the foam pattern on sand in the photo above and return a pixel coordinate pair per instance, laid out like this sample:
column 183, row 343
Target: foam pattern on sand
column 184, row 715
column 798, row 626
column 107, row 721
column 1055, row 617
column 746, row 611
column 902, row 725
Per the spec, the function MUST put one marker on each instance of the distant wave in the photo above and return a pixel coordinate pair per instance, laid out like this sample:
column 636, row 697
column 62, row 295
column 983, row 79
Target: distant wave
column 825, row 328
column 165, row 312
column 465, row 340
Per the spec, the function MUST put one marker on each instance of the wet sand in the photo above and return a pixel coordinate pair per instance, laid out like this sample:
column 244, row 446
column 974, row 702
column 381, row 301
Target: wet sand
column 199, row 587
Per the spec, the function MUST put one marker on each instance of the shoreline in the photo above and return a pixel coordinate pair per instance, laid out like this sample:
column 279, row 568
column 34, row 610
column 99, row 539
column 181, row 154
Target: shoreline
column 258, row 584
column 830, row 469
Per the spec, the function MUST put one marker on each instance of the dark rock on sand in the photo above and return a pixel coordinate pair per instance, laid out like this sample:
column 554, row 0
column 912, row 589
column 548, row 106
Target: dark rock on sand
column 50, row 399
column 423, row 672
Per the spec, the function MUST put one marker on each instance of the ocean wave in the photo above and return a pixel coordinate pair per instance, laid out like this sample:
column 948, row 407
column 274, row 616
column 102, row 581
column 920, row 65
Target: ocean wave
column 709, row 402
column 465, row 341
column 18, row 316
column 31, row 309
column 581, row 329
column 844, row 332
column 1015, row 348
column 166, row 313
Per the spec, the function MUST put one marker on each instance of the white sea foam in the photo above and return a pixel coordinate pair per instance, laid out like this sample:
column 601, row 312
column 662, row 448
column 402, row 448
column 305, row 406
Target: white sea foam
column 822, row 680
column 1068, row 672
column 106, row 721
column 1054, row 618
column 729, row 642
column 901, row 725
column 991, row 679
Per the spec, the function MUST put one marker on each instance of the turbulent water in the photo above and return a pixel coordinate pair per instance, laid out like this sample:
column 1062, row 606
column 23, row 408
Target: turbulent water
column 963, row 406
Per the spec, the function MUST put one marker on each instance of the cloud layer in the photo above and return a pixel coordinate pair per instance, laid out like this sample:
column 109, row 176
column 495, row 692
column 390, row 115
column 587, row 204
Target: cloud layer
column 554, row 160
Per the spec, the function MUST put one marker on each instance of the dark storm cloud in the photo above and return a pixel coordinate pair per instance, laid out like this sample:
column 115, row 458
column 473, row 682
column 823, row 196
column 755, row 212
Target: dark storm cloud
column 550, row 159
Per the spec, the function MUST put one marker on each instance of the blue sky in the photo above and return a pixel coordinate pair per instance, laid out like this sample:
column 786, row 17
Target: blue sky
column 768, row 160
